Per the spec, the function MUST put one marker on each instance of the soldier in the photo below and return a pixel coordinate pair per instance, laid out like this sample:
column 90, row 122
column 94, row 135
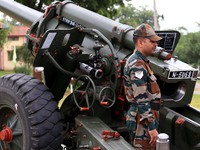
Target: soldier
column 142, row 90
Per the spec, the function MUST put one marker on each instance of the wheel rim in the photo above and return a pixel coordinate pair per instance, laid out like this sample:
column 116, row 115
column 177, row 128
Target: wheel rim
column 11, row 134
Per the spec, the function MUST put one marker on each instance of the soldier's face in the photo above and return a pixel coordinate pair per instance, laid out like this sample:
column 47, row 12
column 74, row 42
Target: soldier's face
column 148, row 46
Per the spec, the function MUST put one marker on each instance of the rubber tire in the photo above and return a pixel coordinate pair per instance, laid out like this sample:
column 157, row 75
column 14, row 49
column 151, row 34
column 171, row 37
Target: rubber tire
column 37, row 111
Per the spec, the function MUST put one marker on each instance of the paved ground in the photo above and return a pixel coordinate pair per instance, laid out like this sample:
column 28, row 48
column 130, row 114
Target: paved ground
column 197, row 88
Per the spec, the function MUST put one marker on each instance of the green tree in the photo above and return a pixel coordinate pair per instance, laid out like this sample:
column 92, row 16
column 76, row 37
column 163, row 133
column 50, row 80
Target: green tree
column 24, row 55
column 103, row 7
column 106, row 8
column 188, row 48
column 4, row 32
column 3, row 35
column 132, row 16
column 35, row 4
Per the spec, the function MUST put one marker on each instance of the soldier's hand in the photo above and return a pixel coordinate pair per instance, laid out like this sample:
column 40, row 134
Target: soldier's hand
column 153, row 134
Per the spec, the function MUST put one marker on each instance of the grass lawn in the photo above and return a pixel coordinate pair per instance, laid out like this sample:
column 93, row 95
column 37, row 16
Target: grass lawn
column 198, row 81
column 196, row 101
column 5, row 72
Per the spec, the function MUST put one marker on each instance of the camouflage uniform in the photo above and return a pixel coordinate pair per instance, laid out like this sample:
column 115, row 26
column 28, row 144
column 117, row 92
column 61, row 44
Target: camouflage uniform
column 143, row 93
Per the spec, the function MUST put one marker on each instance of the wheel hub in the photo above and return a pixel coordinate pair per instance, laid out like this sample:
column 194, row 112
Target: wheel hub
column 6, row 135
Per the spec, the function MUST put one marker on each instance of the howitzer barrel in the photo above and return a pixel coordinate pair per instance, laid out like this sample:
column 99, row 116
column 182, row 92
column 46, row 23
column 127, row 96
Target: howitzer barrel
column 19, row 12
column 82, row 16
column 105, row 25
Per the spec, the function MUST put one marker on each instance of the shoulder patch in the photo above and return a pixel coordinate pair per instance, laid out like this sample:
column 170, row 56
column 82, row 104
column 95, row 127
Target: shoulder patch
column 139, row 74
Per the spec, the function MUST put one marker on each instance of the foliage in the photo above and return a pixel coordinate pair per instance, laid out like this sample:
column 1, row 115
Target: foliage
column 35, row 4
column 4, row 32
column 24, row 55
column 24, row 70
column 102, row 7
column 188, row 48
column 132, row 16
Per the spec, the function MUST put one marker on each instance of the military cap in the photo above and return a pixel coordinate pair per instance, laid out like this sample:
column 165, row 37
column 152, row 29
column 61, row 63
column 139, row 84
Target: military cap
column 146, row 31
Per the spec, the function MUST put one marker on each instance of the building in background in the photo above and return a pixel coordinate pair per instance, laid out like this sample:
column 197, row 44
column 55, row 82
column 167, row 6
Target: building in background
column 2, row 27
column 17, row 37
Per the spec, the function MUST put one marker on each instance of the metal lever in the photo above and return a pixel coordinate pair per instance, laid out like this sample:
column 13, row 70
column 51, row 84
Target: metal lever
column 114, row 134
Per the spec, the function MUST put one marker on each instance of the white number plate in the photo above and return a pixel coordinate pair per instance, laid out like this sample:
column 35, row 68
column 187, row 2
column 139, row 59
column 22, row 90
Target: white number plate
column 180, row 74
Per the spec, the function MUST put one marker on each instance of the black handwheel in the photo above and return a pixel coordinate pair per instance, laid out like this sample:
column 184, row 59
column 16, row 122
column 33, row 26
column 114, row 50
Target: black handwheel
column 29, row 119
column 107, row 97
column 88, row 94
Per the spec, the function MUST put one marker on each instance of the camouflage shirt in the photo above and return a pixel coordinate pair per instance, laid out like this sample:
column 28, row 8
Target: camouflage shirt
column 137, row 90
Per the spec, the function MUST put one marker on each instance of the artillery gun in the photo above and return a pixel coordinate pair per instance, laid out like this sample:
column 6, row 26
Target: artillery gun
column 70, row 41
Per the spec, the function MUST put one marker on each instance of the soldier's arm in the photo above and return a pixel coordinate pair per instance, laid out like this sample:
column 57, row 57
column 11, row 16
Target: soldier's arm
column 138, row 76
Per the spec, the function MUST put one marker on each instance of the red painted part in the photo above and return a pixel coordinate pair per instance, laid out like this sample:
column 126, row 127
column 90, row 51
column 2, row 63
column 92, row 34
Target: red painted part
column 6, row 135
column 83, row 93
column 117, row 65
column 104, row 103
column 73, row 131
column 84, row 136
column 168, row 56
column 123, row 118
column 72, row 47
column 47, row 10
column 84, row 109
column 121, row 61
column 105, row 137
column 119, row 76
column 180, row 121
column 110, row 55
column 105, row 134
column 80, row 124
column 121, row 98
column 115, row 27
column 3, row 126
column 36, row 49
column 120, row 94
column 6, row 148
column 97, row 148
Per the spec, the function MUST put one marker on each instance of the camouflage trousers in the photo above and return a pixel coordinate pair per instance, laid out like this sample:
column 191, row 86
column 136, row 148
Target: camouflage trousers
column 138, row 131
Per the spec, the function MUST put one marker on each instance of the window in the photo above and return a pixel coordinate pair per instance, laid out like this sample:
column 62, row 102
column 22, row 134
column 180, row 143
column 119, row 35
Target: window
column 13, row 38
column 10, row 55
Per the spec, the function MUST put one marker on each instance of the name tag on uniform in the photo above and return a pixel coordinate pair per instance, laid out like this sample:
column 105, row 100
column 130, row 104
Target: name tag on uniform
column 139, row 74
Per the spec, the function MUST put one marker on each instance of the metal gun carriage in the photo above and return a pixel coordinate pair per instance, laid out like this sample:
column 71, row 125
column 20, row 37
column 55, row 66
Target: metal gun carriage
column 70, row 41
